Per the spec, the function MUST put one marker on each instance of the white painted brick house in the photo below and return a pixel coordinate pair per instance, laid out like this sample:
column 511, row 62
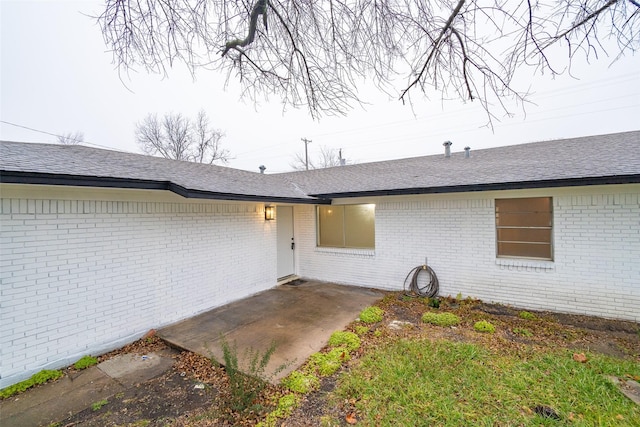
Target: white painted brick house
column 97, row 247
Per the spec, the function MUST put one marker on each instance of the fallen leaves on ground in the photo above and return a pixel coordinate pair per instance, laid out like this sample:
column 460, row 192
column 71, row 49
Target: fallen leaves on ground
column 351, row 418
column 152, row 343
column 200, row 368
column 580, row 357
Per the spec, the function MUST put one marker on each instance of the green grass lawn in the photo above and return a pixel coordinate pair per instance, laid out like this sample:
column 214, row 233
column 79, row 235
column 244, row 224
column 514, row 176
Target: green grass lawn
column 442, row 383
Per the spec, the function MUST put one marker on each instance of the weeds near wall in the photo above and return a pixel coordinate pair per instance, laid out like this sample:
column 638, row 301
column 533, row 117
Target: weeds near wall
column 39, row 378
column 245, row 387
column 85, row 362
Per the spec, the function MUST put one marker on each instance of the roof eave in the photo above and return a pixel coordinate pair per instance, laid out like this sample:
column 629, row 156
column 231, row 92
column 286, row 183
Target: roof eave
column 551, row 183
column 36, row 178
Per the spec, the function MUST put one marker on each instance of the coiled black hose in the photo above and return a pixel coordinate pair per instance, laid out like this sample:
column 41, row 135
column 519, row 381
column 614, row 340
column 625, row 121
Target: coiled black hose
column 430, row 289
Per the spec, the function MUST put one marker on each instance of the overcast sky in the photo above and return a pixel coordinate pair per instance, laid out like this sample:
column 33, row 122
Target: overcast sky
column 57, row 77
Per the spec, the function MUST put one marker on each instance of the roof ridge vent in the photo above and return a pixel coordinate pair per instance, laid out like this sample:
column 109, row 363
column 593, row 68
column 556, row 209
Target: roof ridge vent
column 447, row 148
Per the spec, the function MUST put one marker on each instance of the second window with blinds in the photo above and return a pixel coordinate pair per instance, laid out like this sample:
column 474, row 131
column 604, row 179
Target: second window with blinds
column 346, row 226
column 524, row 228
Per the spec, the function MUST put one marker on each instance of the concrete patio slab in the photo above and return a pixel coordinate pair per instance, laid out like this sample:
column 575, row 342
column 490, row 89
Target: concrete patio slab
column 298, row 319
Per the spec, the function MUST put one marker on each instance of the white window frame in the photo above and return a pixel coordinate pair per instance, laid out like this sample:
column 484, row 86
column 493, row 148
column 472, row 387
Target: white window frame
column 344, row 228
column 549, row 227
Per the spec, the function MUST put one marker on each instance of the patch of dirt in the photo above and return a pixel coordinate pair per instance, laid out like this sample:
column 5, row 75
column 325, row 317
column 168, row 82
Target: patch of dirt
column 405, row 309
column 183, row 391
column 607, row 347
column 156, row 402
column 173, row 399
column 595, row 323
column 316, row 407
column 497, row 310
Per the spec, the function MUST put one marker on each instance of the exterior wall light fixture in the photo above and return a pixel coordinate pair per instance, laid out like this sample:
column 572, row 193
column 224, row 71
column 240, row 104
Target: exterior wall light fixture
column 269, row 213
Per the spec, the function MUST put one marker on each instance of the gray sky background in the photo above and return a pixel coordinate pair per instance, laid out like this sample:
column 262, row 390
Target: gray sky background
column 56, row 76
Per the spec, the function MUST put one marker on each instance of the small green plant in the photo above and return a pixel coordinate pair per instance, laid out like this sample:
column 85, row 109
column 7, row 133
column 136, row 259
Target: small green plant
column 459, row 297
column 526, row 315
column 286, row 405
column 484, row 326
column 328, row 363
column 371, row 314
column 524, row 332
column 433, row 302
column 389, row 298
column 39, row 378
column 245, row 388
column 99, row 404
column 85, row 362
column 300, row 382
column 361, row 329
column 345, row 339
column 441, row 319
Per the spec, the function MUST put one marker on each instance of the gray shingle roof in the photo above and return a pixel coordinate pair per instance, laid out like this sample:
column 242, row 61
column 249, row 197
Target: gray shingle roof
column 519, row 166
column 576, row 161
column 85, row 162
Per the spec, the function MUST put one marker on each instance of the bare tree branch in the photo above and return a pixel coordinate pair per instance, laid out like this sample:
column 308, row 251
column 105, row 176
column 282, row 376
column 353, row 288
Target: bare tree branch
column 260, row 8
column 434, row 48
column 206, row 142
column 580, row 23
column 317, row 53
column 177, row 137
column 327, row 157
column 70, row 138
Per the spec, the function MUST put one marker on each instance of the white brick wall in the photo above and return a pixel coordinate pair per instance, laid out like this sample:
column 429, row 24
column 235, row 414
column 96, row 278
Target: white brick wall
column 596, row 267
column 85, row 276
column 85, row 271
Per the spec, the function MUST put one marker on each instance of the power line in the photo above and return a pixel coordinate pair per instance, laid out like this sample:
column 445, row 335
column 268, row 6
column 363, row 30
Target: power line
column 473, row 129
column 581, row 87
column 575, row 88
column 467, row 129
column 369, row 142
column 57, row 135
column 536, row 117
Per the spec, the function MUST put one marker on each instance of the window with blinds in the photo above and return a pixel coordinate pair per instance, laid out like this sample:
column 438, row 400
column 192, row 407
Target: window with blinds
column 348, row 226
column 524, row 227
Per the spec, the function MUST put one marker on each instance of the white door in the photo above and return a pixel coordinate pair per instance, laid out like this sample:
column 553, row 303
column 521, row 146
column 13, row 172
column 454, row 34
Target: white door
column 286, row 245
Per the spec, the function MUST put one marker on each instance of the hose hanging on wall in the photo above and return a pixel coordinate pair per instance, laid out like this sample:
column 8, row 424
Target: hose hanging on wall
column 429, row 290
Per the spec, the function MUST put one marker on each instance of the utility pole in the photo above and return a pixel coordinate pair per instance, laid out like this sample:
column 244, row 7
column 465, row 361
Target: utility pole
column 306, row 152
